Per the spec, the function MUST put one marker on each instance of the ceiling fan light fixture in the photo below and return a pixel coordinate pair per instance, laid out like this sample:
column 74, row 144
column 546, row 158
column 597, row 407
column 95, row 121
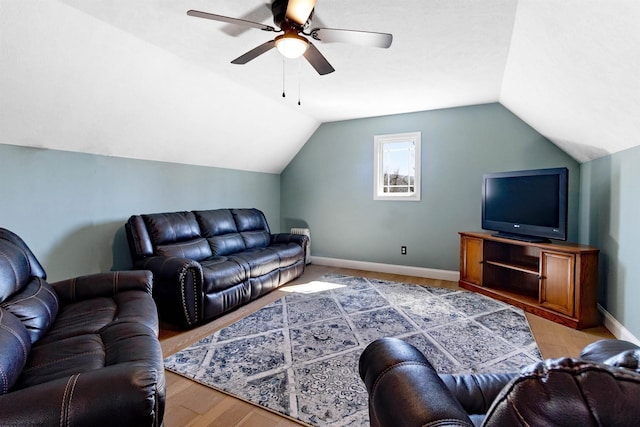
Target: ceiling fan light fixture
column 291, row 45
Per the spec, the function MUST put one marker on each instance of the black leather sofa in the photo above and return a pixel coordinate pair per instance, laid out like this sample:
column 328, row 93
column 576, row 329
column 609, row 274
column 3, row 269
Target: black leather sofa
column 600, row 388
column 79, row 352
column 206, row 263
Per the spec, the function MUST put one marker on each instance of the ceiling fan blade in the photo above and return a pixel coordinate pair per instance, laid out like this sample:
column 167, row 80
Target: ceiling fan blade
column 255, row 52
column 362, row 38
column 229, row 20
column 260, row 13
column 317, row 60
column 299, row 11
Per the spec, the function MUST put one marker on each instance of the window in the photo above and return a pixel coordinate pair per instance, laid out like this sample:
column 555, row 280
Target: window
column 397, row 167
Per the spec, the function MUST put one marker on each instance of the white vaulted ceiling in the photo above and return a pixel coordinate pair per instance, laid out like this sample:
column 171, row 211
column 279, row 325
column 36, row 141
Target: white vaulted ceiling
column 141, row 79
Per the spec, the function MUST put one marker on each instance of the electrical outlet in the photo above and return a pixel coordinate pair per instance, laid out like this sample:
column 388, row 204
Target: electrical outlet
column 403, row 250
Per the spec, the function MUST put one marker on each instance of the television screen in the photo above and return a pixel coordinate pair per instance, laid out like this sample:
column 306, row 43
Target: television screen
column 527, row 205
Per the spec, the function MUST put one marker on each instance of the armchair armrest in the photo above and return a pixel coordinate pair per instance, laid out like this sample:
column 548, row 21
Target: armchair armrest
column 602, row 350
column 128, row 394
column 178, row 288
column 476, row 392
column 404, row 389
column 102, row 284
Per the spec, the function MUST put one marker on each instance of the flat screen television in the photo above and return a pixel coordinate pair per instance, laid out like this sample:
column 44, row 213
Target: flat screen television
column 528, row 205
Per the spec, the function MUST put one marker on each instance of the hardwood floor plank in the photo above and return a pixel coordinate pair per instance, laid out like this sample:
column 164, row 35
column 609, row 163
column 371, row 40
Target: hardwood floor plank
column 192, row 404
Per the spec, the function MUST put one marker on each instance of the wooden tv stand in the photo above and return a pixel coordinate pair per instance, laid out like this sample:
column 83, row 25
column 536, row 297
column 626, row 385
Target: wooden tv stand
column 557, row 281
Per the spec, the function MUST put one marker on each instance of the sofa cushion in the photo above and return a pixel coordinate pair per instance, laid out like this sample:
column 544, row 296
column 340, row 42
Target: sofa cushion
column 89, row 316
column 289, row 253
column 85, row 317
column 220, row 273
column 226, row 244
column 219, row 227
column 90, row 334
column 15, row 344
column 171, row 227
column 256, row 239
column 258, row 261
column 253, row 228
column 61, row 359
column 198, row 249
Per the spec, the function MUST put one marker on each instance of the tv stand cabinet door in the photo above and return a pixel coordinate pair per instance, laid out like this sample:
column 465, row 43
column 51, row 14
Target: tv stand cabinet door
column 471, row 260
column 557, row 281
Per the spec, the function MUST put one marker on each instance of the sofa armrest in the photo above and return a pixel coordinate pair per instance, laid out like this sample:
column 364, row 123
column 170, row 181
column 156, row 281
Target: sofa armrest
column 404, row 389
column 102, row 284
column 177, row 289
column 476, row 392
column 299, row 239
column 128, row 394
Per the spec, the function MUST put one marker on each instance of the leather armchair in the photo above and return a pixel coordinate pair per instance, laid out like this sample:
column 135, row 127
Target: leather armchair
column 601, row 387
column 82, row 351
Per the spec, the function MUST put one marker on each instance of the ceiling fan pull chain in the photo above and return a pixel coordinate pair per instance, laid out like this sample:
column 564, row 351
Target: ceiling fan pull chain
column 299, row 78
column 283, row 95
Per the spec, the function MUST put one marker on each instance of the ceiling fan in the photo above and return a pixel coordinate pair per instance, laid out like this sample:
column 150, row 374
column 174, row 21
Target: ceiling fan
column 293, row 17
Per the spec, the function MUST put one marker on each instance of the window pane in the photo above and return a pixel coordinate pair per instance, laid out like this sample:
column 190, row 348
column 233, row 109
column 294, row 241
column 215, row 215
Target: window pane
column 398, row 165
column 397, row 171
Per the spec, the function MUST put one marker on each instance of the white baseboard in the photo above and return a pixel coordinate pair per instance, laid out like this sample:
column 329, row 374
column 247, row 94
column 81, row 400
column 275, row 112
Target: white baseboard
column 616, row 328
column 405, row 270
column 610, row 322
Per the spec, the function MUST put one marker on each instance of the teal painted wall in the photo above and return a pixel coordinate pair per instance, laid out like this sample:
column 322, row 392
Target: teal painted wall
column 328, row 186
column 70, row 208
column 609, row 212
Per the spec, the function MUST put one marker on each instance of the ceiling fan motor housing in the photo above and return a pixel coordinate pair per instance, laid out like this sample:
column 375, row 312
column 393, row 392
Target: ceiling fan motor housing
column 279, row 11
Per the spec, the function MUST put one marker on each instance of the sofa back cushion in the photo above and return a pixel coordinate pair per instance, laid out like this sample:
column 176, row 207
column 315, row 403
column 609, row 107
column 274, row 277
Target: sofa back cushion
column 15, row 271
column 252, row 226
column 173, row 234
column 219, row 227
column 25, row 295
column 36, row 306
column 172, row 227
column 34, row 265
column 14, row 349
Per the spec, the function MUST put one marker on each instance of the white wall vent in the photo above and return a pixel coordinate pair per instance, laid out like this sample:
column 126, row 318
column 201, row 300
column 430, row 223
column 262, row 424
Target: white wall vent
column 306, row 232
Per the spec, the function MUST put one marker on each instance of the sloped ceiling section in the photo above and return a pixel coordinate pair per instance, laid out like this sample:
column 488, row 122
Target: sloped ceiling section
column 573, row 73
column 72, row 82
column 141, row 79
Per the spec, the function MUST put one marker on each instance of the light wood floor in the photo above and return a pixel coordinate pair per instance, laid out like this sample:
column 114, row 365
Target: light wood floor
column 192, row 404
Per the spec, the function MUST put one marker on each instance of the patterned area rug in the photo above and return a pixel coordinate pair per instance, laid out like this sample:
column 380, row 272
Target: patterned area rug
column 299, row 355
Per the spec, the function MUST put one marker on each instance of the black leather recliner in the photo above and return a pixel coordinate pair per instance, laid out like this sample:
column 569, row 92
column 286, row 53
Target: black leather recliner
column 206, row 263
column 600, row 388
column 79, row 352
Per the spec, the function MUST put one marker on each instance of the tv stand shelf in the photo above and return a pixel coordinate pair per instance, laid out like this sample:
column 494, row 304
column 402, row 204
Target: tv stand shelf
column 516, row 267
column 557, row 281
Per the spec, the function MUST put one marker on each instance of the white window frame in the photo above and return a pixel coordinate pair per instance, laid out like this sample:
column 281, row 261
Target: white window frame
column 378, row 167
